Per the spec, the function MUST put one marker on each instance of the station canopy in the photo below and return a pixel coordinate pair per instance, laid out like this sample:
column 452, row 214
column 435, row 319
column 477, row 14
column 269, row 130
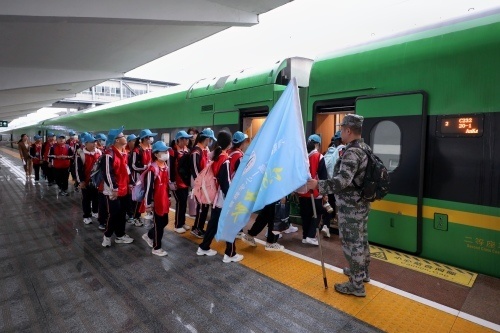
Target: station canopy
column 52, row 50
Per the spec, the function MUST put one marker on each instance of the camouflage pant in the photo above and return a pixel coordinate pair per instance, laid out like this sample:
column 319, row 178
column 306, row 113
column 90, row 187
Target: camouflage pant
column 353, row 231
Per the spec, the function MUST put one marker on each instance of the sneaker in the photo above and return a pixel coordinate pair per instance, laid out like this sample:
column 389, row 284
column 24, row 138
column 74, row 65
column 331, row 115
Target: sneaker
column 249, row 240
column 280, row 236
column 312, row 241
column 274, row 247
column 237, row 257
column 180, row 230
column 326, row 231
column 240, row 235
column 159, row 252
column 208, row 252
column 347, row 272
column 304, row 241
column 125, row 239
column 106, row 241
column 349, row 289
column 131, row 220
column 102, row 227
column 77, row 189
column 147, row 239
column 291, row 229
column 196, row 233
column 87, row 220
column 138, row 223
column 95, row 215
column 186, row 227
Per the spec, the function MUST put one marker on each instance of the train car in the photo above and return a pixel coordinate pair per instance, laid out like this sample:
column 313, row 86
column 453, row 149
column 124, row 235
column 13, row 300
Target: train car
column 432, row 113
column 233, row 102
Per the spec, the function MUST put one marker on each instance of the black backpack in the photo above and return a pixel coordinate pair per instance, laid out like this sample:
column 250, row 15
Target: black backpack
column 97, row 172
column 376, row 182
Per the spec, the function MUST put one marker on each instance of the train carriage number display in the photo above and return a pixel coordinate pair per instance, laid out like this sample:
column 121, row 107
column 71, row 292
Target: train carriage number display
column 460, row 126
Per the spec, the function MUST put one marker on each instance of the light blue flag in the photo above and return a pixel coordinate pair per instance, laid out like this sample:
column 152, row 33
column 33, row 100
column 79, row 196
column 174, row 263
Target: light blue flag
column 274, row 165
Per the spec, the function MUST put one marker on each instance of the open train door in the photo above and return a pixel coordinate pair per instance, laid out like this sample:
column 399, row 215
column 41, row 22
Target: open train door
column 395, row 127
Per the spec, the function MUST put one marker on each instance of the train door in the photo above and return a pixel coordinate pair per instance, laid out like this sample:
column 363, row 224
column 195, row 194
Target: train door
column 395, row 127
column 251, row 120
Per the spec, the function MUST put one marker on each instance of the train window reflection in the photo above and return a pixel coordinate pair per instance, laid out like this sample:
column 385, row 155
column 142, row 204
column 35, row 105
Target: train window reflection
column 385, row 138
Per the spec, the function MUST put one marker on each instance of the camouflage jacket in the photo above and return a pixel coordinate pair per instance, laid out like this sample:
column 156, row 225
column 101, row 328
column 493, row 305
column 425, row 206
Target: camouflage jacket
column 350, row 167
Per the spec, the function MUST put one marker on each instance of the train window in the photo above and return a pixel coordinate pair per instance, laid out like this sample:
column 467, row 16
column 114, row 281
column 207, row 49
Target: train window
column 165, row 137
column 386, row 143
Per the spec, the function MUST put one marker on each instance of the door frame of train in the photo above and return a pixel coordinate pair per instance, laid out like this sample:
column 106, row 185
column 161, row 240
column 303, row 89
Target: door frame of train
column 423, row 142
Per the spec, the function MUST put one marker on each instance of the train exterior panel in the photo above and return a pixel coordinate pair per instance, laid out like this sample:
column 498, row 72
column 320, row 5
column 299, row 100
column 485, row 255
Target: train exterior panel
column 432, row 112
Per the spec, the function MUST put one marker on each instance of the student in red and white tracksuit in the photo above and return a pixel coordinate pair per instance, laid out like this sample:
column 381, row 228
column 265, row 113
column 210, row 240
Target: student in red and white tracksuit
column 199, row 159
column 220, row 168
column 36, row 156
column 156, row 199
column 317, row 169
column 60, row 156
column 180, row 177
column 46, row 169
column 84, row 161
column 116, row 180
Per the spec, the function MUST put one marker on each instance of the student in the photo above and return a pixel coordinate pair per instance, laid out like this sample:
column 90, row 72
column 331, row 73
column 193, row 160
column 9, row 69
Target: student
column 220, row 168
column 199, row 159
column 36, row 156
column 192, row 141
column 235, row 153
column 116, row 180
column 141, row 159
column 101, row 141
column 74, row 144
column 130, row 143
column 318, row 171
column 84, row 161
column 180, row 177
column 131, row 204
column 23, row 146
column 156, row 196
column 46, row 168
column 60, row 160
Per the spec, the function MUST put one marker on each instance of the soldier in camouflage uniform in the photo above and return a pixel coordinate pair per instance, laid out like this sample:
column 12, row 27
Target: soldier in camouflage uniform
column 352, row 211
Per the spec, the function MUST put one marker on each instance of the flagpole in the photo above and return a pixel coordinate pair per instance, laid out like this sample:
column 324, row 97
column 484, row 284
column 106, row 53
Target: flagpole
column 319, row 242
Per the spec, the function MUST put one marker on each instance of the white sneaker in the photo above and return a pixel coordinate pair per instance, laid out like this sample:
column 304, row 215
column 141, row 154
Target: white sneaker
column 180, row 230
column 131, row 220
column 274, row 247
column 312, row 241
column 235, row 258
column 147, row 239
column 95, row 215
column 304, row 241
column 106, row 241
column 291, row 229
column 326, row 231
column 159, row 252
column 87, row 220
column 249, row 240
column 240, row 235
column 138, row 223
column 280, row 235
column 186, row 227
column 208, row 252
column 125, row 239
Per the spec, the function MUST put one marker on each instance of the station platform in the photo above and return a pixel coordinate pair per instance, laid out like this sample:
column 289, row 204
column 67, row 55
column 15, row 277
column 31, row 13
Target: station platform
column 56, row 277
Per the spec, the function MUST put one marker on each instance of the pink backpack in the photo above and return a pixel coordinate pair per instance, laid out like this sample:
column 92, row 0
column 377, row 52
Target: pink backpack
column 205, row 185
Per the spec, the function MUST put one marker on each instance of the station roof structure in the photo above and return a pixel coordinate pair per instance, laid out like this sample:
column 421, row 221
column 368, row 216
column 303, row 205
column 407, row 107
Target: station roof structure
column 51, row 50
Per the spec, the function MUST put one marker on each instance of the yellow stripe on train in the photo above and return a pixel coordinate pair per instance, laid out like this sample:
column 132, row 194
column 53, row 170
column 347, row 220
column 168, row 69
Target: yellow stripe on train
column 454, row 216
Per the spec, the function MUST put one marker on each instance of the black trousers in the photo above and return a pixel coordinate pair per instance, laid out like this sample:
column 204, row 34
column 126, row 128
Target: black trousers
column 61, row 176
column 309, row 224
column 265, row 217
column 36, row 167
column 116, row 216
column 213, row 223
column 48, row 172
column 181, row 196
column 103, row 208
column 156, row 232
column 90, row 201
column 201, row 216
column 72, row 170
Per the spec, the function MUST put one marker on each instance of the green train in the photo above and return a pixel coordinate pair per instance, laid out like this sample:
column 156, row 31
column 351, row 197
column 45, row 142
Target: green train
column 431, row 104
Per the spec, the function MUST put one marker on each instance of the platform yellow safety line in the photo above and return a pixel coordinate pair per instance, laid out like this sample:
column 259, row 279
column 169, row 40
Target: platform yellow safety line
column 439, row 270
column 381, row 308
